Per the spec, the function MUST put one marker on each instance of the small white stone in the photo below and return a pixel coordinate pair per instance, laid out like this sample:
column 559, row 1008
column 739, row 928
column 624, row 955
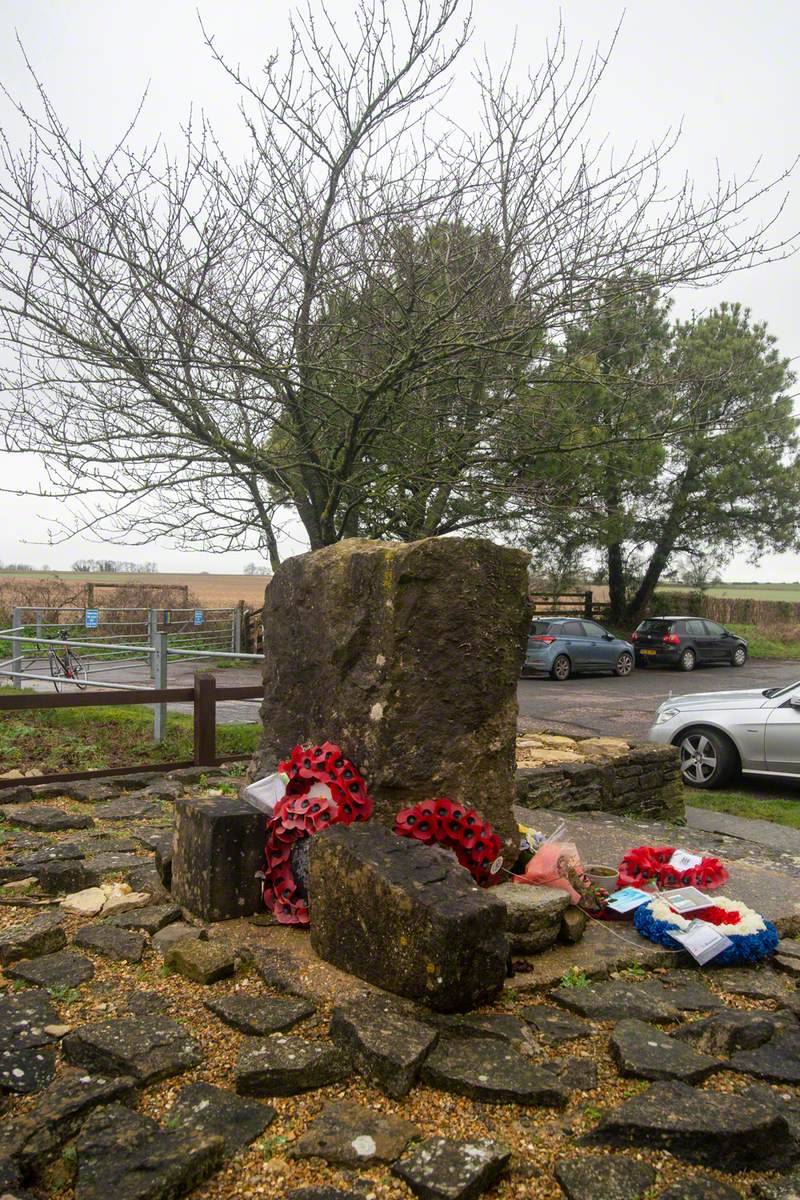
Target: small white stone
column 364, row 1145
column 376, row 712
column 380, row 661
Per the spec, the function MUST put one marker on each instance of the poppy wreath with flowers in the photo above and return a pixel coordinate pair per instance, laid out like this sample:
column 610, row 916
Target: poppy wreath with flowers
column 323, row 788
column 752, row 936
column 648, row 865
column 458, row 828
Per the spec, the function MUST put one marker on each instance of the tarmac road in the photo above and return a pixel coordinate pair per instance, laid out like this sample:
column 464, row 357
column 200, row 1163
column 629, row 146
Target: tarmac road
column 604, row 704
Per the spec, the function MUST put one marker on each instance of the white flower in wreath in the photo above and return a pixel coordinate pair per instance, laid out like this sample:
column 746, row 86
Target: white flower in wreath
column 749, row 920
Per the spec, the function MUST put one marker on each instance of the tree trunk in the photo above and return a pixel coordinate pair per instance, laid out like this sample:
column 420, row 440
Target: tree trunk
column 616, row 581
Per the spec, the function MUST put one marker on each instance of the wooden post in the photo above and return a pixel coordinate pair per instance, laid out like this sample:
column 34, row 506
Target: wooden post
column 90, row 595
column 587, row 605
column 205, row 719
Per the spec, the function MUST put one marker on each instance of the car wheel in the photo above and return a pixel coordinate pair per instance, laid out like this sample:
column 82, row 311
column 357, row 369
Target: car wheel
column 708, row 759
column 561, row 668
column 624, row 664
column 687, row 661
column 739, row 656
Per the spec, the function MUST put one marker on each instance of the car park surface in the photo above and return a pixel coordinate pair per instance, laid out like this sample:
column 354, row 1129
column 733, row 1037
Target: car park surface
column 603, row 704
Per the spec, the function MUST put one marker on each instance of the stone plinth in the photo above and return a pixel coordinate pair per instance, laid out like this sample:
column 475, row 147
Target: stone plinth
column 408, row 656
column 405, row 917
column 218, row 848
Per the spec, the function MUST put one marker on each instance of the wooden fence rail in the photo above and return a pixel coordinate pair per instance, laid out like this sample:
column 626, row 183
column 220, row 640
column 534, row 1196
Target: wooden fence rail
column 203, row 695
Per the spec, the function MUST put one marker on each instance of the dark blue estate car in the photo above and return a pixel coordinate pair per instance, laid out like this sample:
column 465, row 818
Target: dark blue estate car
column 563, row 646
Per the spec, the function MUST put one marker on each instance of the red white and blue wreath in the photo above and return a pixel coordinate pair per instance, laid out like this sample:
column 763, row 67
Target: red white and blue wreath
column 753, row 937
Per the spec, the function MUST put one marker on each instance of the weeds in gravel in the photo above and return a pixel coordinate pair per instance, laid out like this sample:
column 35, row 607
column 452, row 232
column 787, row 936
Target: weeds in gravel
column 64, row 993
column 632, row 971
column 574, row 978
column 272, row 1145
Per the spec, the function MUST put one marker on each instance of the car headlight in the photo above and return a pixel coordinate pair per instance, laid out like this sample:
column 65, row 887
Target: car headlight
column 665, row 714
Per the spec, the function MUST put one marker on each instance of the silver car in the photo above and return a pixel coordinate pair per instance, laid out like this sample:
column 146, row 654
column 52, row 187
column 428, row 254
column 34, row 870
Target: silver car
column 721, row 734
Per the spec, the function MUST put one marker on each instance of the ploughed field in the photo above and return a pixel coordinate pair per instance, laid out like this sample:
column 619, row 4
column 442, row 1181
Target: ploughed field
column 213, row 591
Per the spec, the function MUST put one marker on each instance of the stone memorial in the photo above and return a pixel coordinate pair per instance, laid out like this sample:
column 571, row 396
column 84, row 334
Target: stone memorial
column 405, row 917
column 407, row 655
column 218, row 851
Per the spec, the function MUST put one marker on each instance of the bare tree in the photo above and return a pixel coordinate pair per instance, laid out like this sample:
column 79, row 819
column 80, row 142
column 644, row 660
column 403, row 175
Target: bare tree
column 341, row 324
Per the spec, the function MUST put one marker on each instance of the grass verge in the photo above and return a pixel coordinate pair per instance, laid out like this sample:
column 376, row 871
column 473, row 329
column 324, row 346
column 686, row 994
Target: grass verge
column 86, row 739
column 767, row 645
column 764, row 800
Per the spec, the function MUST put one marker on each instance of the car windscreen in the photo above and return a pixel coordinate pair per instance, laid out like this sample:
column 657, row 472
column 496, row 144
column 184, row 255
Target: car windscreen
column 539, row 627
column 653, row 625
column 790, row 687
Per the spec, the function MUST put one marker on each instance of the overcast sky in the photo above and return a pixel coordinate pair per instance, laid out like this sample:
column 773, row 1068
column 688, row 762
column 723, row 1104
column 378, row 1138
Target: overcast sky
column 726, row 70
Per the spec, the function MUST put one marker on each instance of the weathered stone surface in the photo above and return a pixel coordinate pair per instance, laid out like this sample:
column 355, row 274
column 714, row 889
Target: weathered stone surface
column 282, row 970
column 163, row 849
column 495, row 1025
column 616, row 1000
column 146, row 1048
column 533, row 915
column 699, row 1126
column 25, row 1071
column 351, row 1136
column 211, row 1111
column 784, row 1101
column 444, row 1169
column 385, row 1045
column 23, row 1017
column 202, row 962
column 86, row 903
column 63, row 969
column 19, row 794
column 729, row 1031
column 405, row 917
column 260, row 1016
column 42, row 935
column 592, row 1177
column 123, row 1154
column 34, row 1138
column 71, row 875
column 777, row 1060
column 46, row 819
column 759, row 983
column 645, row 781
column 111, row 942
column 702, row 1187
column 573, row 925
column 146, row 879
column 174, row 934
column 148, row 919
column 116, row 862
column 645, row 1052
column 49, row 854
column 130, row 808
column 391, row 681
column 575, row 1074
column 689, row 996
column 488, row 1069
column 218, row 848
column 553, row 1024
column 778, row 1189
column 283, row 1065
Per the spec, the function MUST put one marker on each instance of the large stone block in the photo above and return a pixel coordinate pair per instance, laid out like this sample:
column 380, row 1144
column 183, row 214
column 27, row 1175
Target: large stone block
column 218, row 849
column 407, row 655
column 405, row 917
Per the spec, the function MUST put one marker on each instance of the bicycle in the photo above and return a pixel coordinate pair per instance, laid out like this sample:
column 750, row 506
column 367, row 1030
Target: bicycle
column 66, row 665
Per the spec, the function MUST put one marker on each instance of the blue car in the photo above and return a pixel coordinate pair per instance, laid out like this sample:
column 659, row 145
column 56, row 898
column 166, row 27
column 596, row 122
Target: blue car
column 564, row 646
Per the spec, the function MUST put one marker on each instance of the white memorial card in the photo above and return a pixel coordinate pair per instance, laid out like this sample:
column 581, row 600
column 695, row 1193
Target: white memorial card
column 265, row 793
column 683, row 861
column 627, row 899
column 687, row 899
column 703, row 941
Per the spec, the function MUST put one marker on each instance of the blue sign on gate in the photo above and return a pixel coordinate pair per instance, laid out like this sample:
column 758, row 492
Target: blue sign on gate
column 92, row 618
column 198, row 616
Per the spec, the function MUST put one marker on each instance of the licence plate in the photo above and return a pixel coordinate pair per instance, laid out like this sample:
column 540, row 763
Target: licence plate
column 647, row 651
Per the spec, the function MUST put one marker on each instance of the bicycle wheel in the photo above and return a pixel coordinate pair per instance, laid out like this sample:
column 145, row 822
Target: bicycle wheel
column 75, row 669
column 57, row 670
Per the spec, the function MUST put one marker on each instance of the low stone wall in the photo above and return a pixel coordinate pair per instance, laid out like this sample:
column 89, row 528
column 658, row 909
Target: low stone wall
column 598, row 775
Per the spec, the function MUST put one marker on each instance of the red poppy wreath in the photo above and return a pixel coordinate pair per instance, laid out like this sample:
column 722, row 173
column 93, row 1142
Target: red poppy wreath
column 457, row 828
column 648, row 865
column 323, row 788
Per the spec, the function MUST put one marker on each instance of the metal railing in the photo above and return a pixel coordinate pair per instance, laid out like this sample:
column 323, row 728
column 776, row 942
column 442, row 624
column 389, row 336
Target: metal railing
column 158, row 652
